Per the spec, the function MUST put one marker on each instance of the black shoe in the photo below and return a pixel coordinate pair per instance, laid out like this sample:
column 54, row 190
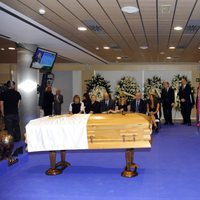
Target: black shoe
column 171, row 123
column 189, row 124
column 157, row 130
column 165, row 123
column 184, row 123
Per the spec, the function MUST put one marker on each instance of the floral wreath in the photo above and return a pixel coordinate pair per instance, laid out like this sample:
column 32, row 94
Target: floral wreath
column 97, row 86
column 127, row 84
column 176, row 84
column 152, row 84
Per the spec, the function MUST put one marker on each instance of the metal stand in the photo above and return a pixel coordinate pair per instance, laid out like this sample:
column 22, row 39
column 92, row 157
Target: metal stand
column 63, row 164
column 128, row 172
column 60, row 166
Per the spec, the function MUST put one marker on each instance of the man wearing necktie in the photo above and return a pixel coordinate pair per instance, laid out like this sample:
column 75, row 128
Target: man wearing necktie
column 138, row 105
column 107, row 104
column 187, row 101
column 167, row 99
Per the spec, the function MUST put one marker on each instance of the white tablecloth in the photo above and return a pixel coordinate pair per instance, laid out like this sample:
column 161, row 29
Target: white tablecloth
column 57, row 133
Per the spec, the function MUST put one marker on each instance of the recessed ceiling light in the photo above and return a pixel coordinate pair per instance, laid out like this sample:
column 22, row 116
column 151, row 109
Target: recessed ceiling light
column 178, row 28
column 129, row 9
column 172, row 47
column 42, row 11
column 169, row 58
column 199, row 47
column 2, row 49
column 97, row 48
column 144, row 47
column 11, row 48
column 119, row 57
column 162, row 52
column 106, row 47
column 82, row 28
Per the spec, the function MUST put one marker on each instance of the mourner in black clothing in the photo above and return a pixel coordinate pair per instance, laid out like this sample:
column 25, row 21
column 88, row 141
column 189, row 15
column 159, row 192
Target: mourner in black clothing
column 9, row 101
column 138, row 105
column 76, row 106
column 153, row 108
column 87, row 102
column 122, row 105
column 48, row 101
column 187, row 101
column 95, row 105
column 107, row 104
column 167, row 99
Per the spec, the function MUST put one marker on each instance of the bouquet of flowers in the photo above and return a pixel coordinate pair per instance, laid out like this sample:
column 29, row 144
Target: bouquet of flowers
column 98, row 86
column 152, row 84
column 127, row 84
column 176, row 84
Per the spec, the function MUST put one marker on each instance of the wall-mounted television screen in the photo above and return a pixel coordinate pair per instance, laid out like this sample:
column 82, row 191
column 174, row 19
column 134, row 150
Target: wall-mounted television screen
column 43, row 59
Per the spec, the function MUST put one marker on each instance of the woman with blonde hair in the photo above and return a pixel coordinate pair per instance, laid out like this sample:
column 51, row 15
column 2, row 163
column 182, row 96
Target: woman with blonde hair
column 77, row 106
column 153, row 109
column 122, row 105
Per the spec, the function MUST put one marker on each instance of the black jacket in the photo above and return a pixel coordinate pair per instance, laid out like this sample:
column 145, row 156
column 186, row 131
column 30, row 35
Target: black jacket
column 185, row 93
column 142, row 106
column 95, row 107
column 167, row 97
column 104, row 107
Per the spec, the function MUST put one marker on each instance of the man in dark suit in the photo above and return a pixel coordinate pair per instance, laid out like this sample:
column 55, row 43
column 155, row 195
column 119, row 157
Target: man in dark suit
column 187, row 101
column 58, row 100
column 138, row 105
column 107, row 104
column 167, row 99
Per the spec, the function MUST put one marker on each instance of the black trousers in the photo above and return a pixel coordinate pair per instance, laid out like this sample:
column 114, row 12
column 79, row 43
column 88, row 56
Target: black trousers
column 12, row 126
column 48, row 110
column 167, row 110
column 186, row 112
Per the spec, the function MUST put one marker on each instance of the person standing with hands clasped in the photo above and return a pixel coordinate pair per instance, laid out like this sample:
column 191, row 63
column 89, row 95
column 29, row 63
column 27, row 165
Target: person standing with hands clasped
column 167, row 99
column 187, row 101
column 48, row 101
column 58, row 100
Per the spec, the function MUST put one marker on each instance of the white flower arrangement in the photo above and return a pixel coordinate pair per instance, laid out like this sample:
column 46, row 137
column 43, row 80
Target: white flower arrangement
column 97, row 86
column 152, row 84
column 127, row 84
column 98, row 91
column 176, row 84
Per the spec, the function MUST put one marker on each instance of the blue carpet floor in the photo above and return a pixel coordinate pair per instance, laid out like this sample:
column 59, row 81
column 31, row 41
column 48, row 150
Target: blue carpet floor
column 169, row 171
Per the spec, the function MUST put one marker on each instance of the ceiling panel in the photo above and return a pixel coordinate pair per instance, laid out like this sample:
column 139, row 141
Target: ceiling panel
column 152, row 26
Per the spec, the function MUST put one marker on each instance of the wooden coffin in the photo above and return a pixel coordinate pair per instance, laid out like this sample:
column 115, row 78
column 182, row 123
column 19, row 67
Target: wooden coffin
column 104, row 131
column 110, row 131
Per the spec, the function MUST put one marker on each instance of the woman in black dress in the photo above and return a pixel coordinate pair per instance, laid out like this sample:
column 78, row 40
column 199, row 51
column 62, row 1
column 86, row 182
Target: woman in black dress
column 76, row 107
column 122, row 105
column 95, row 105
column 48, row 101
column 153, row 108
column 87, row 102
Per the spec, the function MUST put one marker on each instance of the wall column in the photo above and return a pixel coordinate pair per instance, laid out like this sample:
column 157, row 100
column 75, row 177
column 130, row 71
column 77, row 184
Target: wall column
column 27, row 80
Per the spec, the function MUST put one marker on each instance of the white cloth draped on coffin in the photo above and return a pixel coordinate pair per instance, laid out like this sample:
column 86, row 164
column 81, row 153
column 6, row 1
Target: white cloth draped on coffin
column 62, row 132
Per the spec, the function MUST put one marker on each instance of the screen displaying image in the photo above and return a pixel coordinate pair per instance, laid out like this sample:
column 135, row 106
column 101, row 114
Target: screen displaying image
column 43, row 59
